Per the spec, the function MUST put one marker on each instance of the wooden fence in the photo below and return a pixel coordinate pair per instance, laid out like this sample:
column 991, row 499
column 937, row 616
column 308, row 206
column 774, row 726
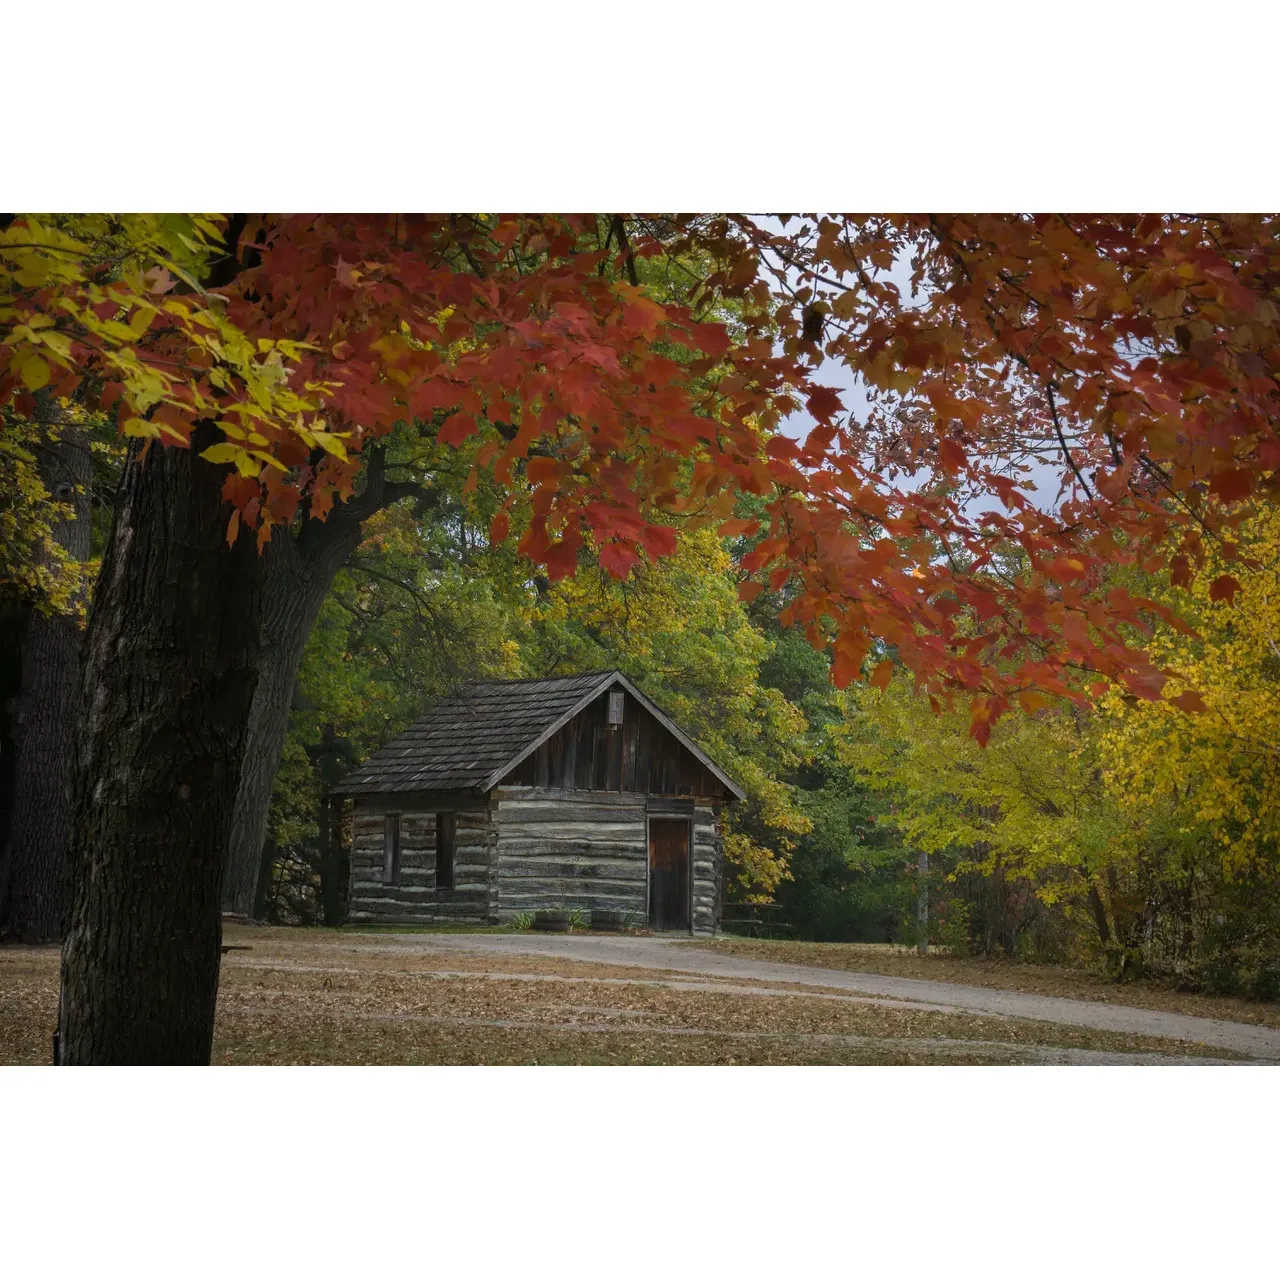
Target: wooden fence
column 752, row 920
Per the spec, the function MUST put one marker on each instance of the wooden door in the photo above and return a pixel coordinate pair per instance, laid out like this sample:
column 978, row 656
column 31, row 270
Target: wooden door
column 669, row 873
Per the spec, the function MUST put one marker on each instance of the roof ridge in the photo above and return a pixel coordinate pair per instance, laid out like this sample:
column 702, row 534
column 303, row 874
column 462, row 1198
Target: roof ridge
column 578, row 675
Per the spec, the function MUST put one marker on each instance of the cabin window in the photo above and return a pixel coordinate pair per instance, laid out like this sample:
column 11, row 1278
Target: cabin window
column 615, row 706
column 391, row 848
column 446, row 831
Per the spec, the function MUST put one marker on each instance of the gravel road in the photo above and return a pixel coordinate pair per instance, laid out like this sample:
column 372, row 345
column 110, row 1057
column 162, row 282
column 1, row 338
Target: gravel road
column 674, row 956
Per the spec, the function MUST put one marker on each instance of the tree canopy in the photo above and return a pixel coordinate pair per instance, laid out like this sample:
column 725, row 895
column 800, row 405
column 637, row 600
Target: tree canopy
column 1135, row 353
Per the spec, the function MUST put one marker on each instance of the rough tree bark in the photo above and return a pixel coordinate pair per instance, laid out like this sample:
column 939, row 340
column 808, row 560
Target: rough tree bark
column 168, row 678
column 300, row 569
column 43, row 718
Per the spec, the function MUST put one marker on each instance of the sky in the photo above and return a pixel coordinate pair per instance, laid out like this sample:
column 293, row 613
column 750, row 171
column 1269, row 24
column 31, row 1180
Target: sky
column 1042, row 483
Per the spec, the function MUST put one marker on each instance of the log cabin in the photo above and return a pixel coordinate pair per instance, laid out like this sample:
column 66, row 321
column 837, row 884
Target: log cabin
column 572, row 793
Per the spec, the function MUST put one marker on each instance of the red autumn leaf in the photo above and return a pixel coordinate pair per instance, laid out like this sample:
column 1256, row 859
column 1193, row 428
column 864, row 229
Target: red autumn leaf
column 618, row 558
column 292, row 451
column 1065, row 568
column 561, row 560
column 710, row 338
column 240, row 490
column 457, row 429
column 980, row 721
column 736, row 528
column 347, row 274
column 499, row 528
column 658, row 540
column 881, row 676
column 1231, row 486
column 950, row 454
column 824, row 403
column 540, row 470
column 1190, row 701
column 643, row 314
column 434, row 393
column 1224, row 588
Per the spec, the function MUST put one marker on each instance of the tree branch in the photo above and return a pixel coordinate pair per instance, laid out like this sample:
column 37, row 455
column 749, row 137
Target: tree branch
column 1066, row 452
column 621, row 229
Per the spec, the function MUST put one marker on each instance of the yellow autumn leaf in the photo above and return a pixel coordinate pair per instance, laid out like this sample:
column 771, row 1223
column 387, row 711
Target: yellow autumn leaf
column 330, row 444
column 34, row 372
column 224, row 452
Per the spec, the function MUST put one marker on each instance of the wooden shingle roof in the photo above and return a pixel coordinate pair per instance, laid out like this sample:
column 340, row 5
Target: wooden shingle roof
column 469, row 740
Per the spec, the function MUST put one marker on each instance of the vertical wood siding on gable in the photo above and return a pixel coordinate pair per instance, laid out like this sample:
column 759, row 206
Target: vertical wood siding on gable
column 639, row 757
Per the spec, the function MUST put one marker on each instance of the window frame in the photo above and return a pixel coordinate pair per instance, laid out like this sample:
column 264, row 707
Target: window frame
column 446, row 821
column 391, row 845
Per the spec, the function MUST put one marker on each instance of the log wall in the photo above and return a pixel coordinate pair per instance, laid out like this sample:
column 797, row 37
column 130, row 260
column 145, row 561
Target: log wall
column 706, row 854
column 570, row 850
column 415, row 898
column 528, row 849
column 589, row 850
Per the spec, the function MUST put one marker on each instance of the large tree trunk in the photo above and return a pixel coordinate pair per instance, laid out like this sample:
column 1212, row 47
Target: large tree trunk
column 169, row 673
column 43, row 716
column 301, row 568
column 295, row 588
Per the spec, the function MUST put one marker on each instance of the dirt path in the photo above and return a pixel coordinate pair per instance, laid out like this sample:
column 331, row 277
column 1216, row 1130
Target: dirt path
column 675, row 957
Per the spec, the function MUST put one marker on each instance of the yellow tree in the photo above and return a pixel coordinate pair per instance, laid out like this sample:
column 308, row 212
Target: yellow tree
column 1214, row 747
column 1028, row 807
column 678, row 628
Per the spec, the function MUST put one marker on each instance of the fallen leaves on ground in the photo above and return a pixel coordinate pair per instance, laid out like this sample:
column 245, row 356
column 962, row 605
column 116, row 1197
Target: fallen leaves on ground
column 311, row 996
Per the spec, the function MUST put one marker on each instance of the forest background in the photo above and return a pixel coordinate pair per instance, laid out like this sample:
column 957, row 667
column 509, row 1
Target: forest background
column 1134, row 836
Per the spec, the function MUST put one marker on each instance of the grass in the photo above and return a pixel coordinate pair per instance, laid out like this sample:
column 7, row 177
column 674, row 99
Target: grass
column 1008, row 975
column 419, row 928
column 327, row 996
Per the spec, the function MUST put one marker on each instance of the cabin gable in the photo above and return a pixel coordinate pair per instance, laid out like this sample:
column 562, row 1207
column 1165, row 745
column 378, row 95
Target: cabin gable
column 638, row 756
